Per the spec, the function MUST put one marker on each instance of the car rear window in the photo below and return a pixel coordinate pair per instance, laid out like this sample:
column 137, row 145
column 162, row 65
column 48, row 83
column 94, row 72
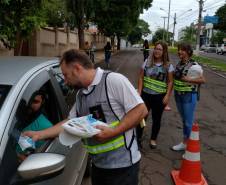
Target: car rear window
column 4, row 90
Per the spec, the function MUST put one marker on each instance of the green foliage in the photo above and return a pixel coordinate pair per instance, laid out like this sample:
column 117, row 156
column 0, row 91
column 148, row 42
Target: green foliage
column 218, row 37
column 221, row 12
column 79, row 12
column 55, row 13
column 160, row 34
column 141, row 29
column 189, row 35
column 18, row 20
column 118, row 17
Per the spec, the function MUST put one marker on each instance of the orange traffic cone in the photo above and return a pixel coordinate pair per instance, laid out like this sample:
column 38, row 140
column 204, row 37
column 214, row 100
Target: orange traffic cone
column 190, row 172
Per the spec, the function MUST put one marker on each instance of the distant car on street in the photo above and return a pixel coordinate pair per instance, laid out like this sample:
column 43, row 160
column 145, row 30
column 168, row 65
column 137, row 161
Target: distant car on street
column 221, row 49
column 52, row 163
column 210, row 48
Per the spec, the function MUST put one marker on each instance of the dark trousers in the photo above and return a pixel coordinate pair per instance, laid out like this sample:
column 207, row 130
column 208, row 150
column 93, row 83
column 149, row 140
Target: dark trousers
column 118, row 176
column 153, row 102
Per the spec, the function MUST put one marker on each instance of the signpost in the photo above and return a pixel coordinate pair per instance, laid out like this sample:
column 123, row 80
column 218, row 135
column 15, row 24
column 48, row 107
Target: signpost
column 211, row 19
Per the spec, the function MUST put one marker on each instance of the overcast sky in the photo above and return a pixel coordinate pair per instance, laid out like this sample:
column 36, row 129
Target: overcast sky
column 180, row 7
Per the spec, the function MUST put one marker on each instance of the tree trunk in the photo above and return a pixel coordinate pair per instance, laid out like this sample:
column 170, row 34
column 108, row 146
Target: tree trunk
column 118, row 42
column 19, row 44
column 81, row 36
column 113, row 42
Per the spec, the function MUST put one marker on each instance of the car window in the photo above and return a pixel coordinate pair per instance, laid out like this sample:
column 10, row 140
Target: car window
column 26, row 118
column 68, row 92
column 4, row 90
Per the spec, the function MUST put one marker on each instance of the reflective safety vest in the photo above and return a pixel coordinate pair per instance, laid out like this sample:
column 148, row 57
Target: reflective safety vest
column 155, row 85
column 182, row 86
column 113, row 144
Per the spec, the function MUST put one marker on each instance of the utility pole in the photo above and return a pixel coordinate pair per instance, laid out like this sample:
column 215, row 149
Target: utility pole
column 164, row 18
column 201, row 2
column 167, row 33
column 174, row 24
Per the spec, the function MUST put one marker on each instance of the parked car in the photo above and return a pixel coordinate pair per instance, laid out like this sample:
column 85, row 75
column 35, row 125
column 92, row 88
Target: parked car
column 53, row 163
column 203, row 47
column 221, row 49
column 210, row 48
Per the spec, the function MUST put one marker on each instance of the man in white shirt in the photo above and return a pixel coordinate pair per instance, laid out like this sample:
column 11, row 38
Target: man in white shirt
column 110, row 97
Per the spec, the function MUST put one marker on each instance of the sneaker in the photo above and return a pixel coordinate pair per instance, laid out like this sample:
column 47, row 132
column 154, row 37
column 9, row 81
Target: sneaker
column 167, row 108
column 179, row 147
column 153, row 144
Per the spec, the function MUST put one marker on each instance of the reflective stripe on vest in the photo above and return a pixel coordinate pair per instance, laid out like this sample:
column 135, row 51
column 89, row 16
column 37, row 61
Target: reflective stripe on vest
column 108, row 146
column 155, row 85
column 182, row 86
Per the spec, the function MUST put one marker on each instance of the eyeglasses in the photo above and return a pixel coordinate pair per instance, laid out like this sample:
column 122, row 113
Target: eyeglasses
column 158, row 49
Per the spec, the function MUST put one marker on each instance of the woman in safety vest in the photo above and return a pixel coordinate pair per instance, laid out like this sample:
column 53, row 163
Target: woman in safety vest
column 155, row 86
column 186, row 90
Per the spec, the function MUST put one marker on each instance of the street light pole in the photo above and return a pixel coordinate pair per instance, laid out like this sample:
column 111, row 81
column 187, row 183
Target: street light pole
column 199, row 26
column 167, row 33
column 163, row 28
column 174, row 23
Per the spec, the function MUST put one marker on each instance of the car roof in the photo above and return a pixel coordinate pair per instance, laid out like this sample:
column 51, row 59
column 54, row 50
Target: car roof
column 13, row 68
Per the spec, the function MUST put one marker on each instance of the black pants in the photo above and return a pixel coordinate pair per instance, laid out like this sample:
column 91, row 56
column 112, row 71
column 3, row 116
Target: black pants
column 153, row 102
column 118, row 176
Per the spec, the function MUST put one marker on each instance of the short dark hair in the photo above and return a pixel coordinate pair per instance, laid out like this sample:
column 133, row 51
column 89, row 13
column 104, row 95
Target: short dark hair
column 186, row 47
column 76, row 56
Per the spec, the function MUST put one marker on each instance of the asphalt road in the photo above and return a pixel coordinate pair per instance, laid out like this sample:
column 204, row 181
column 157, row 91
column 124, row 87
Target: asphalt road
column 214, row 56
column 156, row 165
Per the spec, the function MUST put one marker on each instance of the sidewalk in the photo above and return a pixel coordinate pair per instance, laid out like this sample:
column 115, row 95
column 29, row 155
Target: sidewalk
column 99, row 55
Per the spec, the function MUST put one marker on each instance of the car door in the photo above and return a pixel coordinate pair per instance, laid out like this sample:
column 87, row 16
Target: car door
column 55, row 110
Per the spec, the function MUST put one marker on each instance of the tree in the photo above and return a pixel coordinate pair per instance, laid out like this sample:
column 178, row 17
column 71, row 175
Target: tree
column 218, row 37
column 118, row 18
column 159, row 35
column 141, row 29
column 79, row 13
column 18, row 20
column 221, row 12
column 189, row 34
column 55, row 13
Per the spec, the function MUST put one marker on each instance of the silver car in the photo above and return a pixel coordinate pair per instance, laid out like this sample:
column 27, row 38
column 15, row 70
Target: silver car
column 52, row 163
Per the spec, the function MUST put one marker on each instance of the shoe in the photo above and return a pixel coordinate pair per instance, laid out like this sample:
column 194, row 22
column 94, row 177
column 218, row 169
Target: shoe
column 179, row 147
column 153, row 144
column 167, row 108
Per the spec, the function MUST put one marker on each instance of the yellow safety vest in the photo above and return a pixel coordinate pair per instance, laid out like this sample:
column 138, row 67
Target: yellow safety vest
column 155, row 85
column 113, row 144
column 182, row 86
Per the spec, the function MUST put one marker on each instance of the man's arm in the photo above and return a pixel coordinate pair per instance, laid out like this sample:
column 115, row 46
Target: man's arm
column 130, row 120
column 51, row 132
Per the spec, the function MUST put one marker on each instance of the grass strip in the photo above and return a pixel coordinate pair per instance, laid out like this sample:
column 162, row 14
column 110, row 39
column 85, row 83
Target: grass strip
column 210, row 62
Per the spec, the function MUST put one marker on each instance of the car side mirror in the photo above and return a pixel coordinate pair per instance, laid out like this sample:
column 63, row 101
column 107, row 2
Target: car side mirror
column 38, row 167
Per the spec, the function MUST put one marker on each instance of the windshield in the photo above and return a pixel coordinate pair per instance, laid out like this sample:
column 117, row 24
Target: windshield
column 4, row 90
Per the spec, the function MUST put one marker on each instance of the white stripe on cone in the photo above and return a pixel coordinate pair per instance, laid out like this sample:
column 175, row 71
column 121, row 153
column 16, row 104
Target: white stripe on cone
column 194, row 135
column 191, row 156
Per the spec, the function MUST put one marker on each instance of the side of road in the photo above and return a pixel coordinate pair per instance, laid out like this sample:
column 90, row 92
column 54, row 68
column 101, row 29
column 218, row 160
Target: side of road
column 99, row 55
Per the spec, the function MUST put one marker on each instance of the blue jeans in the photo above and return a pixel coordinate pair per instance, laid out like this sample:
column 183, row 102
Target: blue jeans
column 107, row 57
column 186, row 104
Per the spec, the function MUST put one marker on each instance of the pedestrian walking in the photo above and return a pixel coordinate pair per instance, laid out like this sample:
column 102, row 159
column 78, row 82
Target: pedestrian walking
column 114, row 151
column 107, row 53
column 145, row 49
column 155, row 86
column 92, row 52
column 186, row 91
column 87, row 48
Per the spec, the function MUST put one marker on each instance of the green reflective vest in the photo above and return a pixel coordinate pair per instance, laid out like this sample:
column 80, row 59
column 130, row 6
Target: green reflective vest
column 155, row 85
column 107, row 146
column 182, row 86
